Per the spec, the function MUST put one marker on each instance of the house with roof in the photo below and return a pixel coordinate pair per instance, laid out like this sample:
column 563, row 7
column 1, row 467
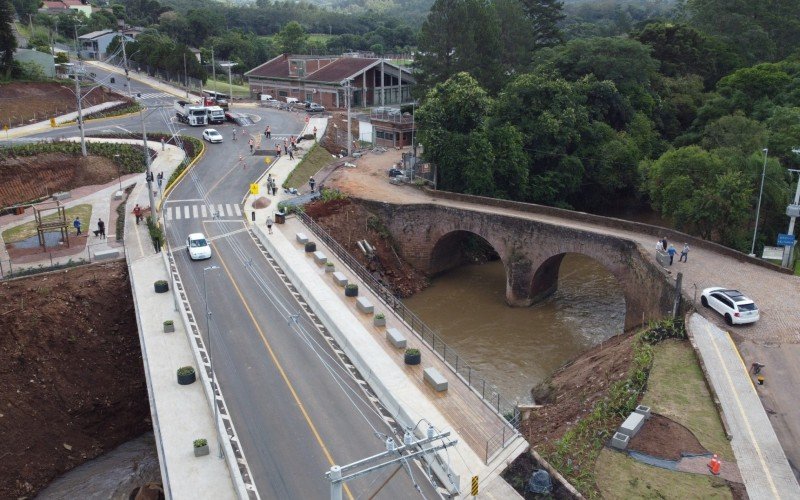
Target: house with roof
column 62, row 6
column 95, row 44
column 324, row 80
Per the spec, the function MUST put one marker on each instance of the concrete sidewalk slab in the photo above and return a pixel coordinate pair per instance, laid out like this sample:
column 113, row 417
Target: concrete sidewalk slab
column 762, row 462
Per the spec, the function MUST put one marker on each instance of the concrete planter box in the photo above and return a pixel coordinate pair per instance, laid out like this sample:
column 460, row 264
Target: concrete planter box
column 200, row 447
column 412, row 357
column 186, row 375
column 379, row 320
column 161, row 286
column 351, row 290
column 169, row 326
column 620, row 441
column 329, row 267
column 311, row 247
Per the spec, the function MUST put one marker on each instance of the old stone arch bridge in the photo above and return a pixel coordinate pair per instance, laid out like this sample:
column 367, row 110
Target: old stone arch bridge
column 430, row 237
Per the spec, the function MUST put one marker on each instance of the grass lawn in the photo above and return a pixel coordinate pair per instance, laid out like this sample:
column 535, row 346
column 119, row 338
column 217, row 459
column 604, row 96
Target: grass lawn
column 25, row 231
column 316, row 158
column 221, row 85
column 319, row 37
column 619, row 476
column 676, row 389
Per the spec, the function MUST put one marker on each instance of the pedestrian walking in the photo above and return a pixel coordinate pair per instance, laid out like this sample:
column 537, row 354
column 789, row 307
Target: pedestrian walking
column 101, row 228
column 659, row 246
column 664, row 243
column 671, row 251
column 77, row 225
column 274, row 189
column 137, row 211
column 277, row 150
column 250, row 143
column 315, row 133
column 160, row 179
column 684, row 253
column 234, row 134
column 291, row 155
column 162, row 144
column 311, row 183
column 269, row 224
column 293, row 142
column 269, row 132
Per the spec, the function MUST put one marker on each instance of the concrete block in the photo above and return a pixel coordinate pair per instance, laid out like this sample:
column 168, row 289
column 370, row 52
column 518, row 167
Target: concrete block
column 643, row 410
column 320, row 258
column 364, row 305
column 106, row 254
column 62, row 195
column 632, row 424
column 301, row 238
column 396, row 338
column 620, row 441
column 435, row 379
column 340, row 279
column 118, row 194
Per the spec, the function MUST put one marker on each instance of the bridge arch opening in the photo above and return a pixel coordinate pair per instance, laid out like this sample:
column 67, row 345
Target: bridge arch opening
column 458, row 248
column 584, row 275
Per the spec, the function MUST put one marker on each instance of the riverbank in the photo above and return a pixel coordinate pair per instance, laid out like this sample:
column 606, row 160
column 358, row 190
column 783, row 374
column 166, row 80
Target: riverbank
column 70, row 373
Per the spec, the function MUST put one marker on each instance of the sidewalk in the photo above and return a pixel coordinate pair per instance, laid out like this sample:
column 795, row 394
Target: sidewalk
column 144, row 78
column 762, row 463
column 406, row 399
column 35, row 128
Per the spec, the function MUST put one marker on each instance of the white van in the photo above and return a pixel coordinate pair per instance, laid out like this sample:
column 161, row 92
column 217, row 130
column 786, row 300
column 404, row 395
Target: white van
column 292, row 100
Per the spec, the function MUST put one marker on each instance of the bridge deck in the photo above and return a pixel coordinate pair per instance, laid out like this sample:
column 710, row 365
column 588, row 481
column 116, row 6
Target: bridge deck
column 466, row 412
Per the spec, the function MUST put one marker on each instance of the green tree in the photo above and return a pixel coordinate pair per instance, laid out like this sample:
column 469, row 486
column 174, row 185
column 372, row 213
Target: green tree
column 25, row 8
column 8, row 43
column 292, row 38
column 460, row 35
column 544, row 17
column 735, row 131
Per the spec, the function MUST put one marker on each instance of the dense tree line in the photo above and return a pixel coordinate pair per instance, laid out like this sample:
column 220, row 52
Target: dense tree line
column 672, row 113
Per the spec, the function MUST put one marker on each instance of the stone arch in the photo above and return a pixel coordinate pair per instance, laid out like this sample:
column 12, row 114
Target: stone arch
column 449, row 250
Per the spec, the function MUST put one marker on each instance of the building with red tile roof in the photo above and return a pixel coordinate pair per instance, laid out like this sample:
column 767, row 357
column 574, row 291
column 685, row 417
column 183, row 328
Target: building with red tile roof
column 323, row 79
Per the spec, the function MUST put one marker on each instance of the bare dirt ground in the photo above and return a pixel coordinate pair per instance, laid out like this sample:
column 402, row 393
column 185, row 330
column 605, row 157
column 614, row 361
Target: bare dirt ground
column 30, row 102
column 71, row 371
column 26, row 178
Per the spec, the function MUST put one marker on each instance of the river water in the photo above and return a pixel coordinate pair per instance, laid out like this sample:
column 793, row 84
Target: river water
column 516, row 348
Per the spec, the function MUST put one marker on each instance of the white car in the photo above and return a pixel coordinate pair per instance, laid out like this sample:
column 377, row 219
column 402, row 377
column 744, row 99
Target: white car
column 198, row 247
column 731, row 304
column 211, row 135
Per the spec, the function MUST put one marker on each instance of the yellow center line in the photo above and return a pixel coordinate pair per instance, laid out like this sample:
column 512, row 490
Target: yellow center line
column 280, row 367
column 138, row 238
column 766, row 469
column 221, row 178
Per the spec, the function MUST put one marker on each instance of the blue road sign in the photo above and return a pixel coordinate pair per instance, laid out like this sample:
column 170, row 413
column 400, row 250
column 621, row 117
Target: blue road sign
column 785, row 240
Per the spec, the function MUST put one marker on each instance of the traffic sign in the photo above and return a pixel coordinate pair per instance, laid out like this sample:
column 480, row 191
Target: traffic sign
column 254, row 188
column 474, row 490
column 5, row 127
column 785, row 240
column 52, row 122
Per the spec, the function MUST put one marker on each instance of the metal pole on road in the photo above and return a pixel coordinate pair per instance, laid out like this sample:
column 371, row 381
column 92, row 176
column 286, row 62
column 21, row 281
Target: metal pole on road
column 210, row 360
column 758, row 207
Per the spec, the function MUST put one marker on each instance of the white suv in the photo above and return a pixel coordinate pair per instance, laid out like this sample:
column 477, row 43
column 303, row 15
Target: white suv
column 732, row 304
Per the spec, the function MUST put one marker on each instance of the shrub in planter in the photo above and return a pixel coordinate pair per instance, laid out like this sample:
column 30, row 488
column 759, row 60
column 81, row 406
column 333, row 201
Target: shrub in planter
column 413, row 357
column 351, row 290
column 329, row 267
column 169, row 326
column 200, row 447
column 186, row 375
column 311, row 247
column 379, row 320
column 161, row 286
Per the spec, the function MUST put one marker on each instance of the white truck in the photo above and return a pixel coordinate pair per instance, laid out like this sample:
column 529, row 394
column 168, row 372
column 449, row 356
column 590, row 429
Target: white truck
column 215, row 114
column 191, row 114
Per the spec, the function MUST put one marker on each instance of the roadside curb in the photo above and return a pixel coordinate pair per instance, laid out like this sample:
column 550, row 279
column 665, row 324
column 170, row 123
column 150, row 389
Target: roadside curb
column 191, row 165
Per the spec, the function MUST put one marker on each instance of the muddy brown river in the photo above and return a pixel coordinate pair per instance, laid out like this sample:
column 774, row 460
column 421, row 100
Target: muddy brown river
column 516, row 348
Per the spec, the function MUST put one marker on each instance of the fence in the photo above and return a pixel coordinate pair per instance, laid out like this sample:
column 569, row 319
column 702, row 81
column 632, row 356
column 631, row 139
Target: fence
column 488, row 392
column 51, row 262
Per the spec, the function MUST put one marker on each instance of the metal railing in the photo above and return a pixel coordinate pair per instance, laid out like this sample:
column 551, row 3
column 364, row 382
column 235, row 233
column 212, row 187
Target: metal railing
column 488, row 392
column 51, row 262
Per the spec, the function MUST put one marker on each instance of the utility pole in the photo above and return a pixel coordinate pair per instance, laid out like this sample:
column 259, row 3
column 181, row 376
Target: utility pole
column 793, row 211
column 347, row 88
column 336, row 475
column 125, row 63
column 185, row 79
column 213, row 72
column 80, row 109
column 758, row 206
column 148, row 174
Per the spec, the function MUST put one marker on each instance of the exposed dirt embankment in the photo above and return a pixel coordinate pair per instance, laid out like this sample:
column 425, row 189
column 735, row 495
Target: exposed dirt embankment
column 72, row 384
column 27, row 102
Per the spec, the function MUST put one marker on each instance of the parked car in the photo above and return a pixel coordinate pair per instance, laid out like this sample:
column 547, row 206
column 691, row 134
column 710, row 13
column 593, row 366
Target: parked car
column 198, row 247
column 731, row 304
column 211, row 135
column 313, row 107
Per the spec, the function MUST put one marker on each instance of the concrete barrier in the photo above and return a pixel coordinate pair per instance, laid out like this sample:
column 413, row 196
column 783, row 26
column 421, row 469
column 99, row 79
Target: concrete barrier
column 364, row 305
column 106, row 254
column 433, row 378
column 340, row 279
column 320, row 258
column 396, row 338
column 301, row 238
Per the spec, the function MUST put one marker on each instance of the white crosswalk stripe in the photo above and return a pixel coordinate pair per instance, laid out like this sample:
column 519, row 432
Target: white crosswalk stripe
column 202, row 211
column 154, row 95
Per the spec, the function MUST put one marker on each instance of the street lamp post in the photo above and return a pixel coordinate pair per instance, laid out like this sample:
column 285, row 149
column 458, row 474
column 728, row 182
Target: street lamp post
column 119, row 171
column 230, row 66
column 758, row 206
column 211, row 359
column 80, row 109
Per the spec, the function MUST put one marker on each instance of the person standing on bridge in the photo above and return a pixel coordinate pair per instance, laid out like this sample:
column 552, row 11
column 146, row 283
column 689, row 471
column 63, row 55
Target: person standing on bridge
column 684, row 253
column 671, row 251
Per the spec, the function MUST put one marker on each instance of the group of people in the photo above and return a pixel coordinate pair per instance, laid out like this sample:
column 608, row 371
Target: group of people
column 272, row 186
column 663, row 246
column 101, row 227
